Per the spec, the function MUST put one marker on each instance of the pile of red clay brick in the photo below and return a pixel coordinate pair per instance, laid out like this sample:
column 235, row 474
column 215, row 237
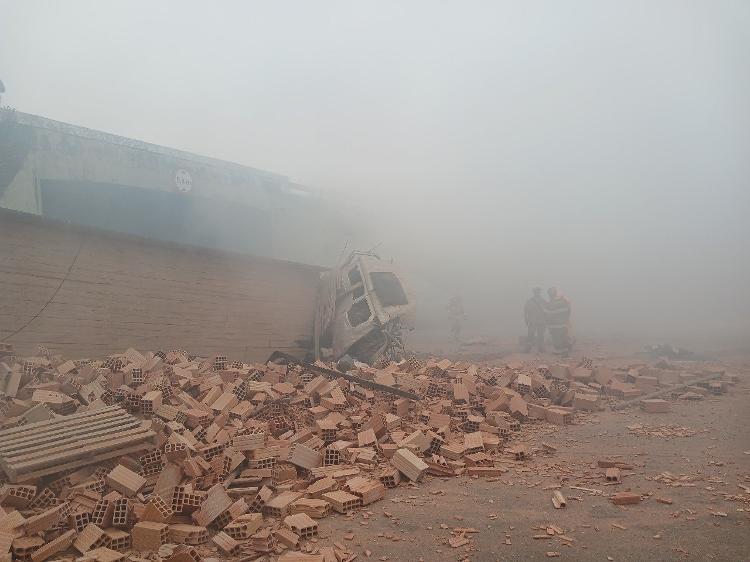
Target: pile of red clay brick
column 167, row 456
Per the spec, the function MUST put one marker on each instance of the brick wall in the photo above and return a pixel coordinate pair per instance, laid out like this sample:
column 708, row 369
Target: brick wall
column 125, row 291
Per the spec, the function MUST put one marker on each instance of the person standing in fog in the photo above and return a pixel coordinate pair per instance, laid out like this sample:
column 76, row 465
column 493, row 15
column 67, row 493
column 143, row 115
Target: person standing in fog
column 558, row 311
column 534, row 313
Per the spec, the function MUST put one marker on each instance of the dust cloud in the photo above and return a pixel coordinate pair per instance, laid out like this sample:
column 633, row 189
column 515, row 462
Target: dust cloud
column 601, row 147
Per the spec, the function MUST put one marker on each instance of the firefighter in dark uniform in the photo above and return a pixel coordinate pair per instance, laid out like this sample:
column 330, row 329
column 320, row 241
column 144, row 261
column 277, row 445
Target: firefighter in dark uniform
column 534, row 313
column 558, row 321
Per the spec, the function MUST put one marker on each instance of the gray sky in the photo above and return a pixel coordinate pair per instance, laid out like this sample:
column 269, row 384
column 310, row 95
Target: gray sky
column 599, row 146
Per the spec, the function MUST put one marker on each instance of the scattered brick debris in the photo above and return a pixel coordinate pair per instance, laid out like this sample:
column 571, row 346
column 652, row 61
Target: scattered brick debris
column 170, row 456
column 626, row 498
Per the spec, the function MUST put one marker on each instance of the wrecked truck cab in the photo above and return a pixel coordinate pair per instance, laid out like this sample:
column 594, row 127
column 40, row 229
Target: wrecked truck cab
column 363, row 309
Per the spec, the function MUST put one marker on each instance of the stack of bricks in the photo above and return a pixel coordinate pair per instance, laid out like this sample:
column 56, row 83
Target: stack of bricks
column 247, row 458
column 367, row 490
column 125, row 481
column 226, row 544
column 244, row 526
column 315, row 508
column 149, row 535
column 90, row 537
column 183, row 533
column 302, row 524
column 408, row 464
column 278, row 507
column 341, row 501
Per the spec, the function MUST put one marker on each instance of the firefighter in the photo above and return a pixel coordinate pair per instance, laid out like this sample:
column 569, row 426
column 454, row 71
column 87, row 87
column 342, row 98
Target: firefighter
column 534, row 313
column 558, row 311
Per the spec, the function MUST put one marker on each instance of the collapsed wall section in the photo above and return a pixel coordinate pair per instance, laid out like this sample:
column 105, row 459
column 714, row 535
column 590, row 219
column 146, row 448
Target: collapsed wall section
column 88, row 292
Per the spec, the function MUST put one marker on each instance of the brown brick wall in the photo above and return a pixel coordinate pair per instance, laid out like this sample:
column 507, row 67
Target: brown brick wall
column 127, row 291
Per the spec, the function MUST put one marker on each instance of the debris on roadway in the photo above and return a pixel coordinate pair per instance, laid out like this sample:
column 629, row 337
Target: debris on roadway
column 169, row 456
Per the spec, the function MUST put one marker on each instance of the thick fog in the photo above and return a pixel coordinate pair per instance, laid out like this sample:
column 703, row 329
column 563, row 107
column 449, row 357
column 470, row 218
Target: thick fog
column 602, row 147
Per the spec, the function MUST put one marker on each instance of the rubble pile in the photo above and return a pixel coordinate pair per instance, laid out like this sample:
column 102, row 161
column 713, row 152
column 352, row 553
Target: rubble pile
column 182, row 458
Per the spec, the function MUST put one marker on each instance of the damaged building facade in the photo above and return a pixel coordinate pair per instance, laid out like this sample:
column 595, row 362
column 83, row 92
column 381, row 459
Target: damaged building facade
column 88, row 177
column 110, row 240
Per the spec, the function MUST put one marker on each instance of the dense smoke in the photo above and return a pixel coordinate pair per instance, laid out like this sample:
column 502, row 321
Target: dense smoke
column 597, row 146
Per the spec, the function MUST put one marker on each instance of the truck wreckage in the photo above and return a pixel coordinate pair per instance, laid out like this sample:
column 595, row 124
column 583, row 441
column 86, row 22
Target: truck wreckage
column 362, row 311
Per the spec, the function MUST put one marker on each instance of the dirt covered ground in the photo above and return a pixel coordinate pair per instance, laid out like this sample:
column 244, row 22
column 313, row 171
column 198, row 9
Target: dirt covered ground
column 695, row 458
column 687, row 469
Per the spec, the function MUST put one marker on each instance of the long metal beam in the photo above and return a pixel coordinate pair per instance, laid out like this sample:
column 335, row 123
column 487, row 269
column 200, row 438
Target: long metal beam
column 332, row 374
column 663, row 391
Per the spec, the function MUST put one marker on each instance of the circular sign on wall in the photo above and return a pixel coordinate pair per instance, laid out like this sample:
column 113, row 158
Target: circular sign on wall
column 183, row 181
